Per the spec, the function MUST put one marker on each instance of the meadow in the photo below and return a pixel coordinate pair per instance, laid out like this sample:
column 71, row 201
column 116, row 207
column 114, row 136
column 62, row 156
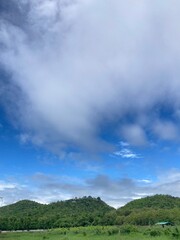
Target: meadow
column 126, row 232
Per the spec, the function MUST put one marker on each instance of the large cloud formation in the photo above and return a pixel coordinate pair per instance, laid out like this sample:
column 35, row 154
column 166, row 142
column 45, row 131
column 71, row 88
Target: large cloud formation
column 76, row 66
column 116, row 192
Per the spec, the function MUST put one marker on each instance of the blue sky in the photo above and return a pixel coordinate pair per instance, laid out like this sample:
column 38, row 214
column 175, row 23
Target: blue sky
column 89, row 99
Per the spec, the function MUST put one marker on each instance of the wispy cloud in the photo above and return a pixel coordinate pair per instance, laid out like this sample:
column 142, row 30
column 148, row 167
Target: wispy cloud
column 7, row 185
column 144, row 181
column 124, row 144
column 127, row 153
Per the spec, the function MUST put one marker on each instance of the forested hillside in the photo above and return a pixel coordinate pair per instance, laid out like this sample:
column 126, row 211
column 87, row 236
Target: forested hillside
column 157, row 201
column 75, row 212
column 89, row 211
column 150, row 210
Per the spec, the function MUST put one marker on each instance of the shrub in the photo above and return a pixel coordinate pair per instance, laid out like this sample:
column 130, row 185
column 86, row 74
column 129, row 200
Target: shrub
column 176, row 233
column 127, row 229
column 167, row 232
column 45, row 237
column 112, row 231
column 98, row 231
column 155, row 233
column 84, row 233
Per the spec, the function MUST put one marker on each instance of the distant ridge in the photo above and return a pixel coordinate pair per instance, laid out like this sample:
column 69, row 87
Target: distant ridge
column 156, row 201
column 87, row 211
column 28, row 214
column 28, row 207
column 149, row 210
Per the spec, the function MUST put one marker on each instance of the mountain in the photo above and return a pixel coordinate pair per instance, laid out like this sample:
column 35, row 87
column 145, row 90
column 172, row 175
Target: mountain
column 149, row 210
column 22, row 208
column 32, row 215
column 89, row 211
column 156, row 202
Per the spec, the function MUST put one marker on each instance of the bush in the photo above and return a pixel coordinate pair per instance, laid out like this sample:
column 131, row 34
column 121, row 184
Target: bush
column 113, row 230
column 127, row 229
column 176, row 233
column 167, row 232
column 98, row 231
column 84, row 233
column 153, row 232
column 45, row 237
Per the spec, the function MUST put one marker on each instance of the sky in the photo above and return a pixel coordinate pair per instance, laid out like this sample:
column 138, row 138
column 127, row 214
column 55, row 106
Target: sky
column 89, row 99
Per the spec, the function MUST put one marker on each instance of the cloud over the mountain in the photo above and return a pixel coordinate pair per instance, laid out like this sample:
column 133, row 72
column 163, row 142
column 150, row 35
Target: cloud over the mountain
column 116, row 192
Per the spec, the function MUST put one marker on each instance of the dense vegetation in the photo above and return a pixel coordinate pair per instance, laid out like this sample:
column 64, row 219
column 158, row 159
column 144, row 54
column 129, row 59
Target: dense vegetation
column 155, row 202
column 88, row 211
column 31, row 215
column 149, row 210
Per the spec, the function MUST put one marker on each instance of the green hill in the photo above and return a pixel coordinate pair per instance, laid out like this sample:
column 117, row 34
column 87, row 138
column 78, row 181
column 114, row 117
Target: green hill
column 149, row 210
column 21, row 209
column 155, row 202
column 89, row 211
column 31, row 215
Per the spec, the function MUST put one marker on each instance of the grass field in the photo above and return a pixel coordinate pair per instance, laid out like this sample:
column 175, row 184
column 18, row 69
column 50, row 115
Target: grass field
column 98, row 233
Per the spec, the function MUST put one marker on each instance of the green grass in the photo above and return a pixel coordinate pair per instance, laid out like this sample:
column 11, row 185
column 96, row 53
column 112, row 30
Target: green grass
column 126, row 232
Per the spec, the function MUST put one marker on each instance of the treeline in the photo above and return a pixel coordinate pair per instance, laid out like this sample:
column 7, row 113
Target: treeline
column 76, row 212
column 142, row 217
column 147, row 211
column 88, row 211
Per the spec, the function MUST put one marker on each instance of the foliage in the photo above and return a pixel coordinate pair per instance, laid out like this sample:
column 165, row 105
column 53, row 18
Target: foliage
column 155, row 202
column 31, row 215
column 127, row 229
column 150, row 210
column 88, row 211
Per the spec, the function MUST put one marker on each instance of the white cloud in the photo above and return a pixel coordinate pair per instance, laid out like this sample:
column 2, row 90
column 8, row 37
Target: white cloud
column 115, row 192
column 124, row 144
column 126, row 153
column 24, row 138
column 6, row 185
column 12, row 191
column 134, row 134
column 172, row 175
column 80, row 62
column 166, row 130
column 144, row 181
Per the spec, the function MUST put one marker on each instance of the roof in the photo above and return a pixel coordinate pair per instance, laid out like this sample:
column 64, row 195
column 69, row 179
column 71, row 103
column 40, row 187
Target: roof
column 164, row 223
